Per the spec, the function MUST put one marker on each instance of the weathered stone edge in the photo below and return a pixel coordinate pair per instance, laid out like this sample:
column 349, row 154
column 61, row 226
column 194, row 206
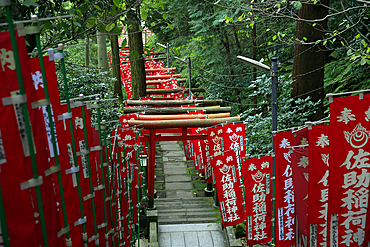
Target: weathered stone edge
column 230, row 237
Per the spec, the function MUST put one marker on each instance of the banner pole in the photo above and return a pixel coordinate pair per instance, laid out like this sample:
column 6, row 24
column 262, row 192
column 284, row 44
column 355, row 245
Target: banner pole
column 125, row 183
column 109, row 198
column 92, row 194
column 52, row 132
column 27, row 124
column 73, row 144
column 102, row 165
column 119, row 185
column 137, row 185
column 113, row 169
column 4, row 227
column 274, row 75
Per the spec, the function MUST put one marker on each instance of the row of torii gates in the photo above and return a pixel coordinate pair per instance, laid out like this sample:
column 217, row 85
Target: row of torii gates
column 160, row 120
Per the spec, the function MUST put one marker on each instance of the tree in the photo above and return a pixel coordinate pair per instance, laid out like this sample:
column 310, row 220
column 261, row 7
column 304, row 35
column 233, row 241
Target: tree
column 135, row 42
column 308, row 65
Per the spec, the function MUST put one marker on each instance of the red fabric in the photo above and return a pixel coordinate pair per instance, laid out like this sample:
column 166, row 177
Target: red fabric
column 318, row 186
column 83, row 164
column 349, row 170
column 215, row 142
column 19, row 212
column 257, row 175
column 125, row 117
column 228, row 189
column 36, row 120
column 300, row 166
column 70, row 192
column 234, row 139
column 285, row 214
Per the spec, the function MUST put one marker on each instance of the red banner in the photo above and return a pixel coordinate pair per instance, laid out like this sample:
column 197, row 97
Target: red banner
column 70, row 193
column 234, row 139
column 40, row 147
column 216, row 146
column 228, row 189
column 349, row 170
column 318, row 186
column 300, row 181
column 285, row 214
column 257, row 175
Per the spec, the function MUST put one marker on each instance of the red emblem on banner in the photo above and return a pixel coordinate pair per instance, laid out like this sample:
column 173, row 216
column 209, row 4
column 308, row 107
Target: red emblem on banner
column 349, row 170
column 228, row 189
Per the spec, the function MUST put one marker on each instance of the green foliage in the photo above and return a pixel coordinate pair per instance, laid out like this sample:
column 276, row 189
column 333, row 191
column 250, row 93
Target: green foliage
column 291, row 113
column 89, row 82
column 240, row 230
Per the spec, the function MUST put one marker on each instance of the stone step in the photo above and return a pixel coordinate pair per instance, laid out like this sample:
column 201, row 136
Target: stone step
column 195, row 199
column 180, row 210
column 174, row 220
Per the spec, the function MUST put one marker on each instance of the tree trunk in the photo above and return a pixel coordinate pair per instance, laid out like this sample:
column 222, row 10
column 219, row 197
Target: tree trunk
column 117, row 91
column 102, row 51
column 135, row 41
column 308, row 65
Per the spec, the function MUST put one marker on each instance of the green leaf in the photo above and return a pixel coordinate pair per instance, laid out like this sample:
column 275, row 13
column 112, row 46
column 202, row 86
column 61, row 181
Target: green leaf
column 109, row 27
column 349, row 52
column 77, row 23
column 363, row 61
column 170, row 25
column 357, row 36
column 144, row 14
column 325, row 41
column 124, row 43
column 97, row 7
column 29, row 3
column 164, row 15
column 116, row 2
column 299, row 4
column 274, row 37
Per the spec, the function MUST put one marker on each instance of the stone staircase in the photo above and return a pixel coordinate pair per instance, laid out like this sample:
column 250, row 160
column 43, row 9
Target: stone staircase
column 186, row 211
column 176, row 202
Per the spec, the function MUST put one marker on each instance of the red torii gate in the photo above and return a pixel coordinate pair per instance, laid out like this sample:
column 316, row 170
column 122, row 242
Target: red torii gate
column 182, row 126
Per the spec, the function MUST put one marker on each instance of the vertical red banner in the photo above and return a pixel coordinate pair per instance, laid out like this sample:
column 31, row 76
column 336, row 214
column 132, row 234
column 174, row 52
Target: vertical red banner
column 318, row 185
column 285, row 206
column 216, row 146
column 228, row 189
column 349, row 170
column 234, row 139
column 300, row 164
column 257, row 175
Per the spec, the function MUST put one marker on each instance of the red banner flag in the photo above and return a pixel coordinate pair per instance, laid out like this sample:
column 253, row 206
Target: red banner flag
column 257, row 175
column 36, row 121
column 318, row 186
column 349, row 170
column 234, row 139
column 216, row 146
column 228, row 189
column 285, row 214
column 300, row 180
column 70, row 193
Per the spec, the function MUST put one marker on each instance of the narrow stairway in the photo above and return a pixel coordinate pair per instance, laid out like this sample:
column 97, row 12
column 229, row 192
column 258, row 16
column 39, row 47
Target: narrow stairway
column 184, row 220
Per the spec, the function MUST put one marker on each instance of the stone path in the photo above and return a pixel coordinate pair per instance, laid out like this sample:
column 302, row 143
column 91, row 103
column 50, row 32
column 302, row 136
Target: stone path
column 179, row 207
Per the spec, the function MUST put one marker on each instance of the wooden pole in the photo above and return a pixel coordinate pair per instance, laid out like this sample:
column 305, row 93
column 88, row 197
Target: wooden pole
column 175, row 110
column 173, row 102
